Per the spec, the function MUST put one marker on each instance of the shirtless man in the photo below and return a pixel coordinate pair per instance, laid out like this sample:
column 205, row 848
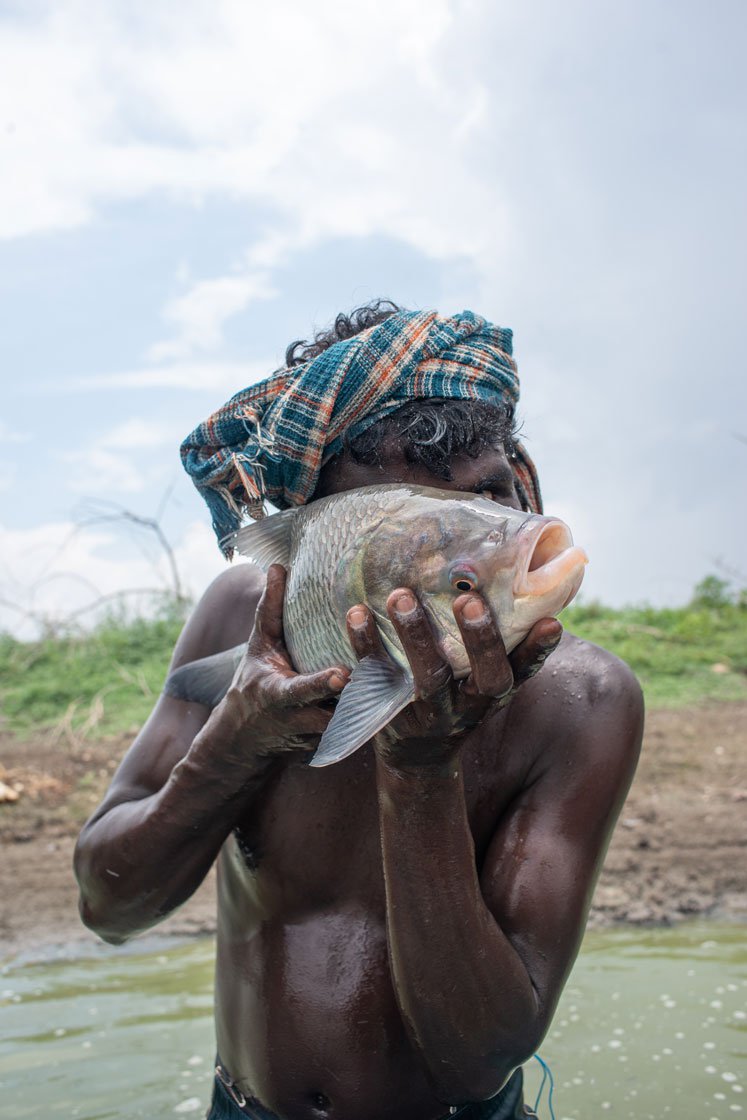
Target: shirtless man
column 394, row 931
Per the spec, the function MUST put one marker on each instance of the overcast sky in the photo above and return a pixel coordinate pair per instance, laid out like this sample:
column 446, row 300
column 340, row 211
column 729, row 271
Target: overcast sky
column 185, row 188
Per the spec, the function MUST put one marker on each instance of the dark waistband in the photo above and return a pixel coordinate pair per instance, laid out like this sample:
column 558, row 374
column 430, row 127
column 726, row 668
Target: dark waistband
column 508, row 1104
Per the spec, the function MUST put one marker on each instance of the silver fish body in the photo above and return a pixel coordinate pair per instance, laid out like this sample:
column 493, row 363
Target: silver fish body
column 357, row 547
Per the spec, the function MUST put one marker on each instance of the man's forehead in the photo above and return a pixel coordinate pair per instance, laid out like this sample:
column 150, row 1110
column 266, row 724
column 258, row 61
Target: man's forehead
column 393, row 466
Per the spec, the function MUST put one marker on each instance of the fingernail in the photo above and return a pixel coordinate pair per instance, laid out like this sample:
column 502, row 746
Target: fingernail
column 357, row 617
column 404, row 604
column 549, row 643
column 474, row 611
column 337, row 682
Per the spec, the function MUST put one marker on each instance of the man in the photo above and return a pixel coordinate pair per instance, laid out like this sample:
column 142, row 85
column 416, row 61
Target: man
column 394, row 931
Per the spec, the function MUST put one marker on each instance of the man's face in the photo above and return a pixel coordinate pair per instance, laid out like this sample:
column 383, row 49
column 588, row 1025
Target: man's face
column 489, row 473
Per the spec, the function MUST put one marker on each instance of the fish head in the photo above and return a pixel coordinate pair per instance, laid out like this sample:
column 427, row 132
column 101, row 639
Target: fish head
column 445, row 544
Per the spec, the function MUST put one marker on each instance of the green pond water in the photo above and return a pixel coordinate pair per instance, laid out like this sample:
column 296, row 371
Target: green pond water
column 651, row 1024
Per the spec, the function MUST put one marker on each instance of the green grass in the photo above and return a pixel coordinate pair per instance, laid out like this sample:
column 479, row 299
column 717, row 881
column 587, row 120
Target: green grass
column 98, row 683
column 673, row 651
column 107, row 681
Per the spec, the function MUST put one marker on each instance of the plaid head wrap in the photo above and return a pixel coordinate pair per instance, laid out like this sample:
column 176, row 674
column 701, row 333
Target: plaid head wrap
column 269, row 441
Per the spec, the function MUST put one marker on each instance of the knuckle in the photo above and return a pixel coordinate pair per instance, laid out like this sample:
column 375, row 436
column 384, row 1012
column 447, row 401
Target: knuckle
column 432, row 683
column 503, row 681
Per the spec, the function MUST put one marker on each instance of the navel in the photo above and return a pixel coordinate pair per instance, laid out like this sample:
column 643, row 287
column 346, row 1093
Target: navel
column 321, row 1103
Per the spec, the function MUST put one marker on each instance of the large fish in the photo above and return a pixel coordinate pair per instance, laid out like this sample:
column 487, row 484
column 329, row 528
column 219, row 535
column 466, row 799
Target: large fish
column 357, row 547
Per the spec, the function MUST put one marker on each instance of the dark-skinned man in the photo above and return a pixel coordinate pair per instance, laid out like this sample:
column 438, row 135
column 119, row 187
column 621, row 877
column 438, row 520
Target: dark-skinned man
column 394, row 931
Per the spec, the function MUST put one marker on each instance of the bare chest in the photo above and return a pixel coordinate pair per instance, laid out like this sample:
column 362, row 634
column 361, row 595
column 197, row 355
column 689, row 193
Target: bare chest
column 314, row 841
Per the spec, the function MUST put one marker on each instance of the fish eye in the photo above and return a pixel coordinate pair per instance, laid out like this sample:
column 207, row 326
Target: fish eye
column 463, row 579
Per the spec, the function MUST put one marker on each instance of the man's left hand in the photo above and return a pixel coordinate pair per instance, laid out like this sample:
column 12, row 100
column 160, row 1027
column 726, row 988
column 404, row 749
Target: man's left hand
column 429, row 729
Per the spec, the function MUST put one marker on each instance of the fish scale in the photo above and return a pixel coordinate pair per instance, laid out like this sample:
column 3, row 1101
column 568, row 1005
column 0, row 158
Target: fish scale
column 315, row 632
column 357, row 547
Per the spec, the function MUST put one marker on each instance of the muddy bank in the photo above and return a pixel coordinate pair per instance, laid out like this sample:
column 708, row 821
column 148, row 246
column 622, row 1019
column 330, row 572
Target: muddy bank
column 680, row 849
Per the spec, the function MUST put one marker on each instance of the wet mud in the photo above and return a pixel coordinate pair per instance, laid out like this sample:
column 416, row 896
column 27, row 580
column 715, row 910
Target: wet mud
column 679, row 851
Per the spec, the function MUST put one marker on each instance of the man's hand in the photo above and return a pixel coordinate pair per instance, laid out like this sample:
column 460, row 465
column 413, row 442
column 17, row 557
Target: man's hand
column 279, row 709
column 428, row 730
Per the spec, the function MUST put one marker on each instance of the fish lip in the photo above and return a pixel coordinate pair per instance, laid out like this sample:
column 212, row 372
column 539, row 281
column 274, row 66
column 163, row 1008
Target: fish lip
column 564, row 561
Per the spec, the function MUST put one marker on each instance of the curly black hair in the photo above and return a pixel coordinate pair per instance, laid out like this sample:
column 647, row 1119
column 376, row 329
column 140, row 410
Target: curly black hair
column 344, row 327
column 431, row 432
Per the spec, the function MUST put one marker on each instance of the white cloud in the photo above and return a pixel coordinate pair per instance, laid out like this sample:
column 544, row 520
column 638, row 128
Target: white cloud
column 8, row 476
column 54, row 571
column 137, row 433
column 222, row 99
column 108, row 466
column 200, row 314
column 548, row 147
column 104, row 471
column 8, row 435
column 198, row 376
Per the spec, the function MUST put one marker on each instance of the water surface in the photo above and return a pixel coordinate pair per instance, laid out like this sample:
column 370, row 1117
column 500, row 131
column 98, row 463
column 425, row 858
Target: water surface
column 651, row 1024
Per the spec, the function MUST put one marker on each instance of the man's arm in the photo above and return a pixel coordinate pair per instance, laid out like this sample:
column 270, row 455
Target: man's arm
column 479, row 960
column 191, row 773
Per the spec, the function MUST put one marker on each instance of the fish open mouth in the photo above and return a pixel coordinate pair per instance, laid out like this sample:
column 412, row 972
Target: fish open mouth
column 554, row 562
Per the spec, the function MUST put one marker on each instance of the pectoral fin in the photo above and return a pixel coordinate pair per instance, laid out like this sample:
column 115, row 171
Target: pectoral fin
column 205, row 681
column 376, row 691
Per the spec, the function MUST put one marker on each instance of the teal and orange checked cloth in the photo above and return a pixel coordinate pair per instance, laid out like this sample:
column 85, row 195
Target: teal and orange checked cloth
column 269, row 441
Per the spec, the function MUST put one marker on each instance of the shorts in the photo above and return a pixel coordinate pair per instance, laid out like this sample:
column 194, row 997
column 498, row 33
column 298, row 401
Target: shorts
column 506, row 1105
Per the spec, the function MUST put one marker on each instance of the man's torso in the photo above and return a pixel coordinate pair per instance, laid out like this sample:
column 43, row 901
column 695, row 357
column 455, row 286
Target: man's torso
column 307, row 1019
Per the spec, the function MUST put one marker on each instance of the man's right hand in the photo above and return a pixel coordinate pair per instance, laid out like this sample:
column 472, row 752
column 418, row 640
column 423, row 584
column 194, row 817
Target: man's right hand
column 192, row 774
column 279, row 709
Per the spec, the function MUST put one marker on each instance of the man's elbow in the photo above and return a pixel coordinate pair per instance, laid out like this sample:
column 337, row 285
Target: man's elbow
column 98, row 924
column 100, row 905
column 479, row 1077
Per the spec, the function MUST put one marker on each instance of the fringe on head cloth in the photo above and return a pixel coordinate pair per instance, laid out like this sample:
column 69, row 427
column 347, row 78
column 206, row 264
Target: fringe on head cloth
column 269, row 442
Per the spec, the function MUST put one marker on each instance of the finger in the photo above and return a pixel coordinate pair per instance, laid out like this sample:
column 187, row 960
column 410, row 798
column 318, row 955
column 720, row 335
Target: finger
column 429, row 669
column 307, row 721
column 491, row 673
column 299, row 744
column 268, row 622
column 531, row 654
column 364, row 633
column 302, row 689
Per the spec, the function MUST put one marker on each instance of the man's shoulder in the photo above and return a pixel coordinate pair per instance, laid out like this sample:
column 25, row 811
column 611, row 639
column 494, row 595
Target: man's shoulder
column 587, row 701
column 600, row 677
column 224, row 616
column 239, row 583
